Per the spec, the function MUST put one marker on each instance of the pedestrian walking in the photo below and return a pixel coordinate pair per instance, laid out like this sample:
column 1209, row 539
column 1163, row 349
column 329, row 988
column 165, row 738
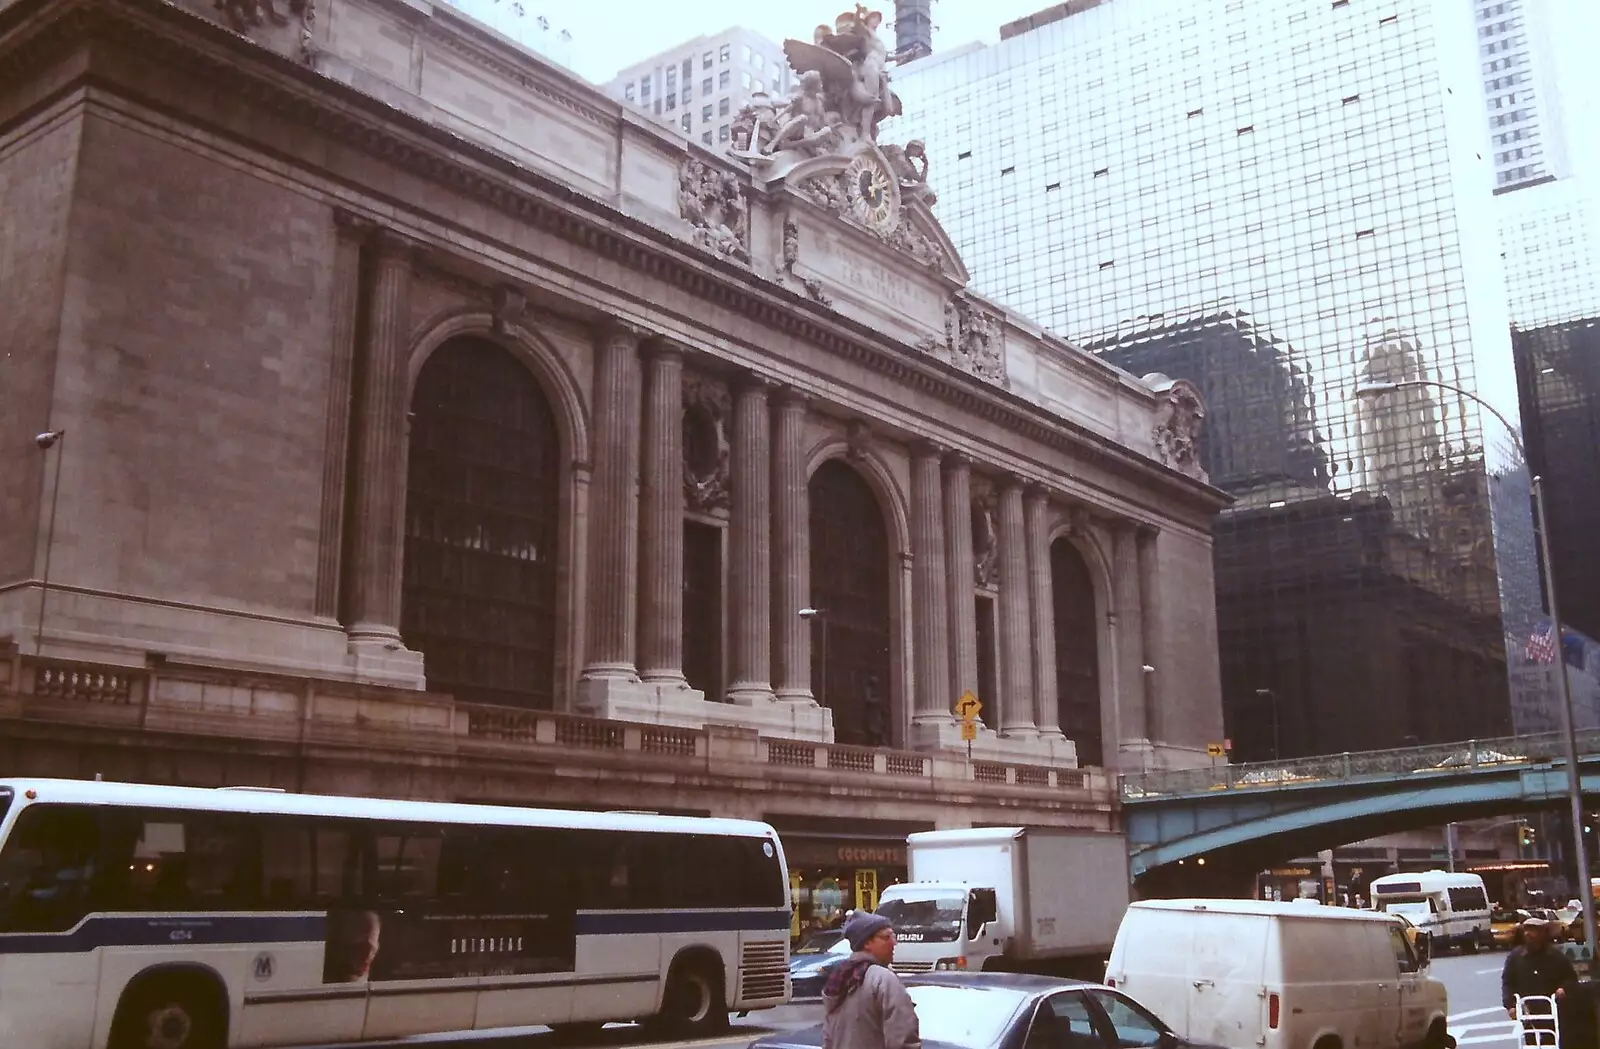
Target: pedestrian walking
column 1535, row 969
column 866, row 1005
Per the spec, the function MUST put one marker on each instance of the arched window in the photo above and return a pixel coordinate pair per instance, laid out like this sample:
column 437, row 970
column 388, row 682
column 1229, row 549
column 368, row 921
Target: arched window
column 1077, row 652
column 850, row 583
column 482, row 509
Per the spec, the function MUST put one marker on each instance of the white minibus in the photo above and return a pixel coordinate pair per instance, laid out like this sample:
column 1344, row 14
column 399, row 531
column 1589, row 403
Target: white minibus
column 1453, row 908
column 148, row 917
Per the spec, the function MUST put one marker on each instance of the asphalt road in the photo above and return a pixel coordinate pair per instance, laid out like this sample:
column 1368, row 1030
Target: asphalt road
column 617, row 1036
column 1473, row 981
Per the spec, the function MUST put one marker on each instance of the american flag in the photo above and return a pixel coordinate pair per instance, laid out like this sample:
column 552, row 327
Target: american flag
column 1541, row 644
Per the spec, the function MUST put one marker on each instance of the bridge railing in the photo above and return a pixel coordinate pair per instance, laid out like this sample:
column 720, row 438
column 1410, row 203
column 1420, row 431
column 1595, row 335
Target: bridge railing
column 1328, row 769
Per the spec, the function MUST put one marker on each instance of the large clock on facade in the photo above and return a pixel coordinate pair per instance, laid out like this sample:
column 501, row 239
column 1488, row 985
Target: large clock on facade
column 871, row 188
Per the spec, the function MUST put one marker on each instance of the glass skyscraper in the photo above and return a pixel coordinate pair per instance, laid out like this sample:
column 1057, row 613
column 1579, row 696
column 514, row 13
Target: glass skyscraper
column 1280, row 200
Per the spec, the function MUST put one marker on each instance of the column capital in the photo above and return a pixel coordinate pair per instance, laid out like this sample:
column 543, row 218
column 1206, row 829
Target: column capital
column 924, row 447
column 391, row 246
column 1036, row 491
column 616, row 330
column 1005, row 480
column 353, row 224
column 955, row 459
column 660, row 347
column 748, row 382
column 787, row 396
column 1146, row 530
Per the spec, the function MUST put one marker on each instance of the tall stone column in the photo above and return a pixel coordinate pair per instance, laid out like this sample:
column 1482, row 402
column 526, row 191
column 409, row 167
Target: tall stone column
column 661, row 517
column 1041, row 593
column 959, row 569
column 352, row 232
column 791, row 541
column 614, row 507
column 929, row 587
column 1016, row 633
column 1130, row 639
column 1150, row 623
column 377, row 520
column 750, row 562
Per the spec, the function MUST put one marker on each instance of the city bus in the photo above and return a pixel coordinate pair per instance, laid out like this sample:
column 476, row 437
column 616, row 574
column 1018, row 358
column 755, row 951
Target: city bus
column 150, row 917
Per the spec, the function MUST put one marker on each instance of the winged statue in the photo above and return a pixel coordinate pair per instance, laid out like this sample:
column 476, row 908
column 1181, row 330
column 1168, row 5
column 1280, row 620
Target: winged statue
column 854, row 66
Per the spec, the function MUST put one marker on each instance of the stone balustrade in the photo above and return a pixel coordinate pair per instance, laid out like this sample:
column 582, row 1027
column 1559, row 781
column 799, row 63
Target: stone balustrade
column 198, row 701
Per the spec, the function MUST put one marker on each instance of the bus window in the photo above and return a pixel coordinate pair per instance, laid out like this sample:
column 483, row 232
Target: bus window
column 169, row 860
column 46, row 868
column 407, row 863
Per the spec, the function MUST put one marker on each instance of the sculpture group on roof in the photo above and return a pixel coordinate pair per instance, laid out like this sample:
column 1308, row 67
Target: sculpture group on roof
column 841, row 98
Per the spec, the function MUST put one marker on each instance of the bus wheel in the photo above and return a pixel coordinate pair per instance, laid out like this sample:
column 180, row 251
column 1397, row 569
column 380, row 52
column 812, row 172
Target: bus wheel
column 168, row 1013
column 694, row 1004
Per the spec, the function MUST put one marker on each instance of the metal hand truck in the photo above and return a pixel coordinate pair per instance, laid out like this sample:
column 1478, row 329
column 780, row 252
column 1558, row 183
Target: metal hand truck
column 1538, row 1022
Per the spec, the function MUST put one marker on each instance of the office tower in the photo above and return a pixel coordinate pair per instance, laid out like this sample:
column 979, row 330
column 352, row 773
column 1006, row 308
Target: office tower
column 913, row 29
column 699, row 86
column 1519, row 86
column 1280, row 201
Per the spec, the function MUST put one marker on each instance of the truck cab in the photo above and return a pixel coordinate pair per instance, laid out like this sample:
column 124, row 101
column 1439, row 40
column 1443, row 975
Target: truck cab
column 942, row 925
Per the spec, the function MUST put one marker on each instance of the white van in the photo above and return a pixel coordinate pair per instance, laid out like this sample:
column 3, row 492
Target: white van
column 1280, row 975
column 1452, row 908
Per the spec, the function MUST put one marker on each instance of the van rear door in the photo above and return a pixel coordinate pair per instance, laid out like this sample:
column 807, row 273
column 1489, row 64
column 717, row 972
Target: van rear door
column 1226, row 976
column 1150, row 960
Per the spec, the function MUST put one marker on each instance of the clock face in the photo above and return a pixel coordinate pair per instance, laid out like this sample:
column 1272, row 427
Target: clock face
column 871, row 189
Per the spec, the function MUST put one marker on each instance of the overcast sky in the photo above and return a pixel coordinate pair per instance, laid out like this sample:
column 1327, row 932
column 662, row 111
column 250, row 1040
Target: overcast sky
column 610, row 34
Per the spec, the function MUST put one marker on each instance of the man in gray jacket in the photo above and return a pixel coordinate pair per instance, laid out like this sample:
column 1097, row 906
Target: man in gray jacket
column 867, row 1005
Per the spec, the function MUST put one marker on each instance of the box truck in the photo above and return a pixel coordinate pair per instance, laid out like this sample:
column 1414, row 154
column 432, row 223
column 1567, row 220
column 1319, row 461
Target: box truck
column 1013, row 899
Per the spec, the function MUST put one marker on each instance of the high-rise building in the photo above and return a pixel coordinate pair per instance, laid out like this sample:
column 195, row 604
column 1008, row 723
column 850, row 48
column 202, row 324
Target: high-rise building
column 1280, row 202
column 1519, row 86
column 699, row 86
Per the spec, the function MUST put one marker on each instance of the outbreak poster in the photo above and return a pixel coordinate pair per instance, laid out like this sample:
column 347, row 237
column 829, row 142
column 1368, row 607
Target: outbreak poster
column 375, row 945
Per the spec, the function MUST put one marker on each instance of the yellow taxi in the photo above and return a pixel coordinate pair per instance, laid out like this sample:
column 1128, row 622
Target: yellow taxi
column 1506, row 927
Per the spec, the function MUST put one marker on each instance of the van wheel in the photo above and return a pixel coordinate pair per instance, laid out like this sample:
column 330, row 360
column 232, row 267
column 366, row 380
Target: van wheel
column 169, row 1013
column 694, row 1004
column 1438, row 1036
column 1328, row 1042
column 1470, row 947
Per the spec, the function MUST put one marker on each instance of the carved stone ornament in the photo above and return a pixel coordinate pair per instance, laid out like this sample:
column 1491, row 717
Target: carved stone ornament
column 712, row 200
column 975, row 339
column 266, row 22
column 985, row 534
column 1180, row 417
column 791, row 255
column 707, row 411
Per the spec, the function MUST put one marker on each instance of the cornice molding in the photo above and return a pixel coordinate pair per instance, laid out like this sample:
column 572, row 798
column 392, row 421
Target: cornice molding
column 36, row 33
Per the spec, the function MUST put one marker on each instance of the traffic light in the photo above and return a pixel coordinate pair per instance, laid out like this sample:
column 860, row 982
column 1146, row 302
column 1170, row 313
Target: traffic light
column 1525, row 836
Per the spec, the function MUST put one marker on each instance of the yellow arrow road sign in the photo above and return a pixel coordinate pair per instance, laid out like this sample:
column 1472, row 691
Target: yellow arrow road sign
column 967, row 706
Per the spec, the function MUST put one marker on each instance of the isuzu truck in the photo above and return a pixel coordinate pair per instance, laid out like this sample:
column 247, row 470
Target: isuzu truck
column 1012, row 899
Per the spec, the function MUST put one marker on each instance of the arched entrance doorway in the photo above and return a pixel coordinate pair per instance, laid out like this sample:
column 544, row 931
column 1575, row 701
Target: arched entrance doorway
column 483, row 503
column 1077, row 652
column 850, row 666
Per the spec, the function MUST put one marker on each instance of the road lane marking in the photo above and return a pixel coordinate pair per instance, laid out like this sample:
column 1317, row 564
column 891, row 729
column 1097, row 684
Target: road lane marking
column 1486, row 972
column 1470, row 1013
column 1480, row 1039
column 1464, row 1028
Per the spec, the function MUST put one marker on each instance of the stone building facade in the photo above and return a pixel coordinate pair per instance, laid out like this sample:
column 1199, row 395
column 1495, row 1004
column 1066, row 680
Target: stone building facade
column 434, row 426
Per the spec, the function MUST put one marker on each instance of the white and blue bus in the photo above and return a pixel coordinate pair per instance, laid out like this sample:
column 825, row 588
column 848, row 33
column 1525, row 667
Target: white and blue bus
column 148, row 917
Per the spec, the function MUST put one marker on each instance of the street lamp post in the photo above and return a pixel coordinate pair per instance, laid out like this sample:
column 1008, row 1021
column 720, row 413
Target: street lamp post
column 46, row 441
column 1580, row 848
column 819, row 688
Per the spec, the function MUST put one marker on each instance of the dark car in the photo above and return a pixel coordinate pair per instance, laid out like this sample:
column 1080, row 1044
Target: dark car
column 1011, row 1011
column 809, row 963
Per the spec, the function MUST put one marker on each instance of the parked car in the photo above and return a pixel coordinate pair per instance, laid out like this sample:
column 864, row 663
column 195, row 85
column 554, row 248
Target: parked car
column 809, row 963
column 961, row 1010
